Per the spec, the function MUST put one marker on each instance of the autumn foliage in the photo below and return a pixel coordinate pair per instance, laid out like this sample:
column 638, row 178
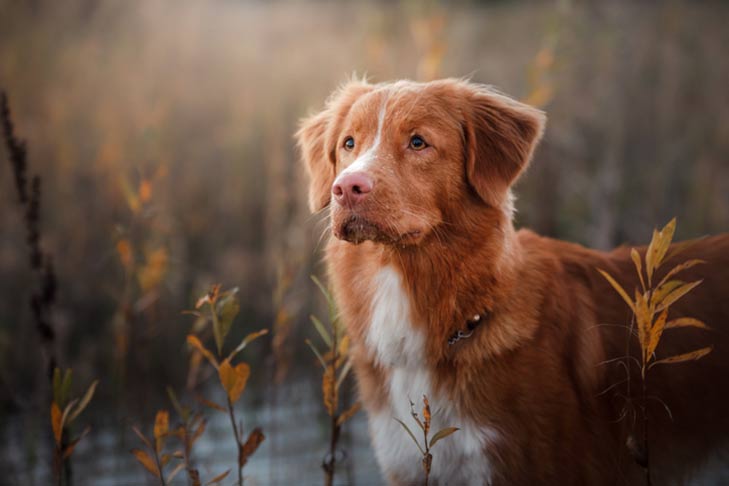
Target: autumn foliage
column 650, row 308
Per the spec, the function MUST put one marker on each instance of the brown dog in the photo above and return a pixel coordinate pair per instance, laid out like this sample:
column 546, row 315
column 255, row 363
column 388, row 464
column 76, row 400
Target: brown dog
column 512, row 336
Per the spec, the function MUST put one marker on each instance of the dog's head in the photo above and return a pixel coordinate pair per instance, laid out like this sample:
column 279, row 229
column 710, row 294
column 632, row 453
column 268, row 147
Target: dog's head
column 392, row 161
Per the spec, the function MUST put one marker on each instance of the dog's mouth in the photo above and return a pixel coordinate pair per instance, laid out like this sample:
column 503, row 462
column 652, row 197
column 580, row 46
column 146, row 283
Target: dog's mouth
column 357, row 229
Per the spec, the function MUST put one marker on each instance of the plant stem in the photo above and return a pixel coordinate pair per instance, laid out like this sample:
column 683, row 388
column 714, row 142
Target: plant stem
column 159, row 467
column 645, row 435
column 231, row 414
column 329, row 466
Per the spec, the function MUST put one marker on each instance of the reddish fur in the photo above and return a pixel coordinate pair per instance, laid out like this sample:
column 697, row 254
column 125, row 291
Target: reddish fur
column 533, row 370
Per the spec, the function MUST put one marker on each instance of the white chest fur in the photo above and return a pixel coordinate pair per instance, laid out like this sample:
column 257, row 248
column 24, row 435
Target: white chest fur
column 398, row 346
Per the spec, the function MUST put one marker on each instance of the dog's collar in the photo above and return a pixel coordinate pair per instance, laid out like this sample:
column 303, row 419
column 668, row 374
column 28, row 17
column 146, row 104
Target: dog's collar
column 471, row 325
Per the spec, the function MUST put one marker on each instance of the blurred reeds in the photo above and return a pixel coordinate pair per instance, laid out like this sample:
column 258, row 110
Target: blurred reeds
column 165, row 132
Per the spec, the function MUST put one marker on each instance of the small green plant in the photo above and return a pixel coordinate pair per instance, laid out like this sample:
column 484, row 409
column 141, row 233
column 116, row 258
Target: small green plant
column 336, row 365
column 428, row 444
column 221, row 309
column 64, row 411
column 650, row 308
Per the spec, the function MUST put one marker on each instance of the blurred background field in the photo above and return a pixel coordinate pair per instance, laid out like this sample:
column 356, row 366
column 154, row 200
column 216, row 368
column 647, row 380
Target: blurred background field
column 162, row 131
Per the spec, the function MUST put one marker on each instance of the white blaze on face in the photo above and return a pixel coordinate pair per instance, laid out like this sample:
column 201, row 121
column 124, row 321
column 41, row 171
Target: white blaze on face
column 366, row 158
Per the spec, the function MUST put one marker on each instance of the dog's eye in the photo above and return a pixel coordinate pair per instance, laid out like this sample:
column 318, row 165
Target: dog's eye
column 349, row 143
column 417, row 142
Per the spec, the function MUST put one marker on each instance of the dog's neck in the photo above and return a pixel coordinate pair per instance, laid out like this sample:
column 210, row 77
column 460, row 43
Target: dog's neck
column 464, row 269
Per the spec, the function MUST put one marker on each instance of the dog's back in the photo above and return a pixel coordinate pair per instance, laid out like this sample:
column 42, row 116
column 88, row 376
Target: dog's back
column 687, row 402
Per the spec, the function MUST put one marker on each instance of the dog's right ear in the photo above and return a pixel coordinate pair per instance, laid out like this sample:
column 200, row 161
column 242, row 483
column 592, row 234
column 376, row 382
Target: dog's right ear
column 317, row 138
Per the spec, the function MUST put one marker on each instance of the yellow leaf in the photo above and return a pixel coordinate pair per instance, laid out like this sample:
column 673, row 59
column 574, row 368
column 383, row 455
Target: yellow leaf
column 442, row 434
column 658, row 246
column 161, row 424
column 676, row 294
column 175, row 472
column 124, row 249
column 233, row 379
column 680, row 268
column 655, row 334
column 692, row 356
column 146, row 461
column 329, row 391
column 643, row 318
column 349, row 413
column 193, row 341
column 638, row 266
column 145, row 191
column 218, row 478
column 618, row 288
column 662, row 291
column 246, row 341
column 686, row 322
column 161, row 427
column 426, row 415
column 344, row 346
column 56, row 423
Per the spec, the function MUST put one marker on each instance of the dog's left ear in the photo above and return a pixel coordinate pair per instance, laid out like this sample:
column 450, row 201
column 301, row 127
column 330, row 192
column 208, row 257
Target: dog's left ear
column 500, row 137
column 317, row 139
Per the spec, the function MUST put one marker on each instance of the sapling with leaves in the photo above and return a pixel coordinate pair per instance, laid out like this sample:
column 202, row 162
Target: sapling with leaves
column 154, row 458
column 336, row 364
column 190, row 428
column 650, row 307
column 221, row 309
column 64, row 411
column 428, row 444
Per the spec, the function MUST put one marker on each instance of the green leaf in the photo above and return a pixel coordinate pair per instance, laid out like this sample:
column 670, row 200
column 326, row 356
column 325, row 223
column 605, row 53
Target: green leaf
column 322, row 330
column 84, row 401
column 66, row 385
column 316, row 352
column 227, row 309
column 57, row 386
column 442, row 434
column 345, row 371
column 324, row 291
column 246, row 341
column 410, row 433
column 182, row 412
